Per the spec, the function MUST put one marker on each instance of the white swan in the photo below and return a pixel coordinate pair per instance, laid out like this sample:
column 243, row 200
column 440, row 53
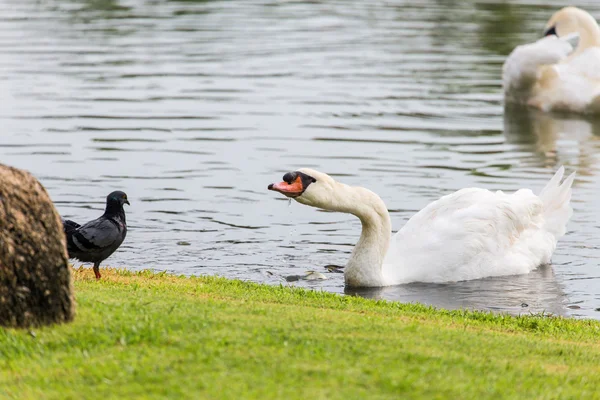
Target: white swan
column 469, row 234
column 552, row 73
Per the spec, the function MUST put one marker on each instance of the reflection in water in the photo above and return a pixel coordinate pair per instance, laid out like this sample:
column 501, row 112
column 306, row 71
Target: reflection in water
column 535, row 292
column 558, row 139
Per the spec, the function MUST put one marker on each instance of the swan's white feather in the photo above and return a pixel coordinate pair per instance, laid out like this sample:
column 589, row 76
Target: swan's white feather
column 520, row 71
column 475, row 233
column 586, row 64
column 570, row 86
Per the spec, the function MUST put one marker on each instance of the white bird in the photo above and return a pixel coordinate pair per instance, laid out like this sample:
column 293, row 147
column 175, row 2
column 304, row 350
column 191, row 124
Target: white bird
column 470, row 234
column 554, row 73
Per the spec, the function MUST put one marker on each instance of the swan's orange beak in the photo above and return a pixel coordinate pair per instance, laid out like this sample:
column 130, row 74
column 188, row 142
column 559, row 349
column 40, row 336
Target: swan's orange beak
column 293, row 189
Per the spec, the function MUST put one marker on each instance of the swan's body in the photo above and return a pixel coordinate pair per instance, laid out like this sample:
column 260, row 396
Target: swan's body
column 553, row 73
column 470, row 234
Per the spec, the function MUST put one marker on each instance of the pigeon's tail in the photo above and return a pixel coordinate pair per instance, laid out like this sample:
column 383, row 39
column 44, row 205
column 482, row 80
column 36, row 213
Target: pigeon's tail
column 70, row 228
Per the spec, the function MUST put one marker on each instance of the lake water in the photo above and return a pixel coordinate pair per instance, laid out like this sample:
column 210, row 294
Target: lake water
column 194, row 107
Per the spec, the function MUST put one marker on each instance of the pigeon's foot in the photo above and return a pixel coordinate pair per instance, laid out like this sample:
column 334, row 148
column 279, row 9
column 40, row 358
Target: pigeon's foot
column 97, row 272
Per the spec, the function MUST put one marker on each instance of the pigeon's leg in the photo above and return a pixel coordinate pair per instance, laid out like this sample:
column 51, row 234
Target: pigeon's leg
column 97, row 270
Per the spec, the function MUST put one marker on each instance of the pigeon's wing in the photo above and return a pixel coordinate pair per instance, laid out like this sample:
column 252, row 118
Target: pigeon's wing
column 69, row 226
column 96, row 235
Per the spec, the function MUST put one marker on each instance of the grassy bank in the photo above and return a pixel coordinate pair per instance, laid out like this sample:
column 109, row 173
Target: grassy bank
column 148, row 335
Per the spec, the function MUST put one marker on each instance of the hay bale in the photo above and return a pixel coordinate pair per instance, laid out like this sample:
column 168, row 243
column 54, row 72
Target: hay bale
column 35, row 280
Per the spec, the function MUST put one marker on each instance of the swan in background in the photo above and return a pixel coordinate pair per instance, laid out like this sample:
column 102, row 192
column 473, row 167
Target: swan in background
column 554, row 73
column 469, row 234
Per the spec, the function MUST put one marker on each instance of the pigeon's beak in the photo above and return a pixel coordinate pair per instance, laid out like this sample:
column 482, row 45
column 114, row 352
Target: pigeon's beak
column 127, row 202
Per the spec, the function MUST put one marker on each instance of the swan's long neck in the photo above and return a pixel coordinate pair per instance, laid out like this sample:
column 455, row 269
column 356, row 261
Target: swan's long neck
column 588, row 39
column 589, row 34
column 365, row 265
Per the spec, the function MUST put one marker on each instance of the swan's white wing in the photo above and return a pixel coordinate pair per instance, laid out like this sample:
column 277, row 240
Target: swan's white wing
column 470, row 234
column 572, row 85
column 586, row 64
column 520, row 70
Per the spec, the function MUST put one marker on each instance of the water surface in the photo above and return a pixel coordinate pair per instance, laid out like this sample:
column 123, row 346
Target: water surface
column 193, row 107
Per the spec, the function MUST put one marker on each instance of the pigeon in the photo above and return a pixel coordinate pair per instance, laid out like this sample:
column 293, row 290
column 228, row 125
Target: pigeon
column 96, row 240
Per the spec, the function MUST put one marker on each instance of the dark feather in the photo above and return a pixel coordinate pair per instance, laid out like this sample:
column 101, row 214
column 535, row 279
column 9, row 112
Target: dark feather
column 69, row 226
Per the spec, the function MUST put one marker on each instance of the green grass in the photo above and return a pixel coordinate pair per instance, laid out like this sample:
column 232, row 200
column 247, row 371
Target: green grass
column 145, row 335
